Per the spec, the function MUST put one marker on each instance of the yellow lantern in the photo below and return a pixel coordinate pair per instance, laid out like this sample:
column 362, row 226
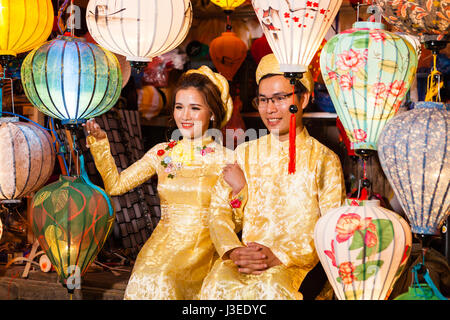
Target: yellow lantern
column 228, row 5
column 24, row 25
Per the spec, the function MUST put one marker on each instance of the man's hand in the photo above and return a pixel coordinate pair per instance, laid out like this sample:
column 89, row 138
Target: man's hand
column 254, row 259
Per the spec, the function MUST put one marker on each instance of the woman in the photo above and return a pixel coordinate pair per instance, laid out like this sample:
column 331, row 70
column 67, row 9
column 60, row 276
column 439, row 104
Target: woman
column 179, row 253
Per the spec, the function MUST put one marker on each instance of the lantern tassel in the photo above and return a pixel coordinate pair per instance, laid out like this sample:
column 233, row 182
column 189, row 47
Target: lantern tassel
column 292, row 154
column 433, row 86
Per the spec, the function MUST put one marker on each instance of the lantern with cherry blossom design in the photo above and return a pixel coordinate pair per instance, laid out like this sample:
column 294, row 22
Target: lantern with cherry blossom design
column 363, row 249
column 295, row 29
column 367, row 71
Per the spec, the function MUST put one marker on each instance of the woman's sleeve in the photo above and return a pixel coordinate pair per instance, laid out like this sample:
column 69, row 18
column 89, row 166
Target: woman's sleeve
column 224, row 222
column 119, row 183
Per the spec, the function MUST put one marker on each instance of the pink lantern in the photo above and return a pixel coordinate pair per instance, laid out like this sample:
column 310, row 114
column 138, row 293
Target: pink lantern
column 363, row 248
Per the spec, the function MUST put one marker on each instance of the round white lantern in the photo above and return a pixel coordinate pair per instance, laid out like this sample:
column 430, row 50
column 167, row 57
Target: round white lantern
column 139, row 29
column 363, row 249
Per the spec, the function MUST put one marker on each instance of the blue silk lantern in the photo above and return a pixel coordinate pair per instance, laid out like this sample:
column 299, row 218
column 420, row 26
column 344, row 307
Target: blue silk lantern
column 71, row 80
column 414, row 151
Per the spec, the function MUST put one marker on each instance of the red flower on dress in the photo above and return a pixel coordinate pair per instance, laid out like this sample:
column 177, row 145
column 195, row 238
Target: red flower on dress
column 161, row 152
column 172, row 144
column 236, row 203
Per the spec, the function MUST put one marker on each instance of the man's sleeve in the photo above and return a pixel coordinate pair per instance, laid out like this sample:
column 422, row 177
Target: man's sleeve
column 330, row 182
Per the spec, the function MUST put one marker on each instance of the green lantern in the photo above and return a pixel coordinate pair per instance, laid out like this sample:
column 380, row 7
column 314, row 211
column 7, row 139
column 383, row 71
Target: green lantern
column 71, row 80
column 367, row 71
column 72, row 219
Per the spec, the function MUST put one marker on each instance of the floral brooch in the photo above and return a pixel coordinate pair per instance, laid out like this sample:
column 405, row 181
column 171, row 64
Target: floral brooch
column 175, row 157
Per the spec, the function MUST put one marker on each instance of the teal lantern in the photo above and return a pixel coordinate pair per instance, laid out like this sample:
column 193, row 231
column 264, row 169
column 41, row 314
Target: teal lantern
column 367, row 71
column 71, row 80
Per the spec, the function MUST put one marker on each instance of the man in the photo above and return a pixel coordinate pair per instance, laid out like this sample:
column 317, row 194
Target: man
column 276, row 211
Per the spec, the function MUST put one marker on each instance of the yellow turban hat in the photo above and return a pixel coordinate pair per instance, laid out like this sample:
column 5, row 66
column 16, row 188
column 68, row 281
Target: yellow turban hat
column 222, row 84
column 270, row 65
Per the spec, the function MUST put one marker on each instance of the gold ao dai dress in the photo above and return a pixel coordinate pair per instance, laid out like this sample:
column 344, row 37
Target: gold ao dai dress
column 175, row 259
column 278, row 210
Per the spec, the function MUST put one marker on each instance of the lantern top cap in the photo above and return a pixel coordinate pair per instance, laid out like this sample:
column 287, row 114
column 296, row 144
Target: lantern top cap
column 362, row 203
column 369, row 25
column 432, row 105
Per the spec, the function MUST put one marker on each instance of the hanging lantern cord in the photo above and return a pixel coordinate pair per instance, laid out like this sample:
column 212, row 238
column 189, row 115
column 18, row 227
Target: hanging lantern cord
column 61, row 26
column 228, row 13
column 434, row 83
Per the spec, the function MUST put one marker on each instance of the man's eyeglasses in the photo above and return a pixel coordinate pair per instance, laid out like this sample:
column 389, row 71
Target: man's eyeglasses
column 277, row 100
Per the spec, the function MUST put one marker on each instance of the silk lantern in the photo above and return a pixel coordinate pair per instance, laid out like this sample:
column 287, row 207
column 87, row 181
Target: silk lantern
column 139, row 29
column 295, row 29
column 428, row 19
column 228, row 52
column 27, row 159
column 363, row 249
column 71, row 80
column 71, row 219
column 23, row 26
column 260, row 48
column 367, row 71
column 228, row 5
column 414, row 151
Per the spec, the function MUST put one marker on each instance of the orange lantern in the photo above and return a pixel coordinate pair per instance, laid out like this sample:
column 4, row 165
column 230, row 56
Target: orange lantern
column 228, row 52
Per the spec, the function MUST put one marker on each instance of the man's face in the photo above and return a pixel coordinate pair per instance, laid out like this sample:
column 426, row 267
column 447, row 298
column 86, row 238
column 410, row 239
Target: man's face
column 274, row 112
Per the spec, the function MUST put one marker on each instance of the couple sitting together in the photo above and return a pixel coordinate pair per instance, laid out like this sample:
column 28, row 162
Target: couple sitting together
column 210, row 194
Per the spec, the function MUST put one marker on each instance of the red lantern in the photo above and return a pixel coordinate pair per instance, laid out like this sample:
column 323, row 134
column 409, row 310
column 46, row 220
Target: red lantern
column 314, row 66
column 260, row 48
column 228, row 52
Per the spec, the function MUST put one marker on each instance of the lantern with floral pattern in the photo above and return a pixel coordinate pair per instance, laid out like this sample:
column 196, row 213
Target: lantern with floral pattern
column 363, row 249
column 367, row 71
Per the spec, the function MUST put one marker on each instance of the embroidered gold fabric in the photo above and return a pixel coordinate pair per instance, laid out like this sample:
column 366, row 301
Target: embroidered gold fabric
column 174, row 261
column 279, row 211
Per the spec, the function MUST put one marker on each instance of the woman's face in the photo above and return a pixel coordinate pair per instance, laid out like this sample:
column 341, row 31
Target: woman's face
column 191, row 113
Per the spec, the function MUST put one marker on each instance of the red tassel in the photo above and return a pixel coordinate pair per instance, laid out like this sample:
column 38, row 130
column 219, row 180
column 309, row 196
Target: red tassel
column 292, row 133
column 363, row 195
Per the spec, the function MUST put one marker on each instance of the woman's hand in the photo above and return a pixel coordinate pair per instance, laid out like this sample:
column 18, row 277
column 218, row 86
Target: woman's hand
column 94, row 130
column 234, row 176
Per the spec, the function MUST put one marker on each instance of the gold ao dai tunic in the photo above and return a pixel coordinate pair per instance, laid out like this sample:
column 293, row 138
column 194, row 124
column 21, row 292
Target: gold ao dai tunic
column 278, row 211
column 175, row 259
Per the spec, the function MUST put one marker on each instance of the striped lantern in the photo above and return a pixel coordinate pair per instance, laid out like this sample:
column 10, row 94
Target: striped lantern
column 363, row 249
column 295, row 29
column 27, row 158
column 367, row 71
column 414, row 151
column 24, row 25
column 139, row 29
column 72, row 219
column 71, row 80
